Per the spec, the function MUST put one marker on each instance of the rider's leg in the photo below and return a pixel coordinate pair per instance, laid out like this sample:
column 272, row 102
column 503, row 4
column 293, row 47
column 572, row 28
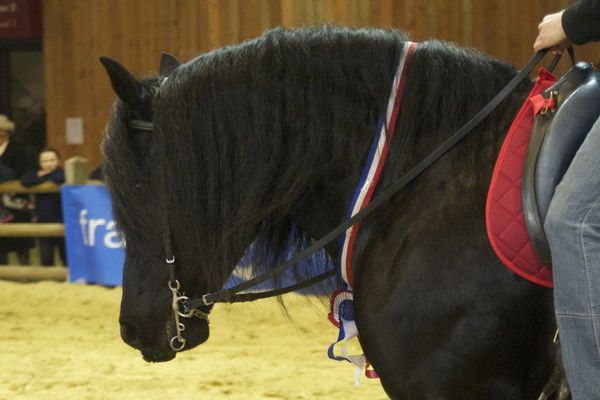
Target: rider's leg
column 573, row 229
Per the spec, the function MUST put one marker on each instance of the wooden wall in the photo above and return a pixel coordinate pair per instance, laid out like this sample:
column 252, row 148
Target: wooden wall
column 77, row 32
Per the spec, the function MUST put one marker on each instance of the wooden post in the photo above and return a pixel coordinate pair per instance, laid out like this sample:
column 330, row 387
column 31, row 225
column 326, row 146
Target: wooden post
column 76, row 170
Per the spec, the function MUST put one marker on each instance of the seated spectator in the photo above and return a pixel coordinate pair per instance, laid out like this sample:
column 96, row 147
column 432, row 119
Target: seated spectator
column 48, row 205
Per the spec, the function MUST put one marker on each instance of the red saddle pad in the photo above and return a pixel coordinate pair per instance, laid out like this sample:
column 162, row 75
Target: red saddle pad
column 504, row 213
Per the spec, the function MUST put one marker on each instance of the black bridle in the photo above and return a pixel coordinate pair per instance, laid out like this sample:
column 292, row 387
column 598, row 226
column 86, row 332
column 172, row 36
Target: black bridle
column 233, row 295
column 187, row 308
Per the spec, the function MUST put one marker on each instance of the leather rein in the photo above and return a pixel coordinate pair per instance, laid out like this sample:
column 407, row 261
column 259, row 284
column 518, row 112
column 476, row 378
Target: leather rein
column 187, row 308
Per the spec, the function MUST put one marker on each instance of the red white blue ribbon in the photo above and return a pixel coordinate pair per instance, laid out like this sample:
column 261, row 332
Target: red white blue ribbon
column 342, row 311
column 374, row 165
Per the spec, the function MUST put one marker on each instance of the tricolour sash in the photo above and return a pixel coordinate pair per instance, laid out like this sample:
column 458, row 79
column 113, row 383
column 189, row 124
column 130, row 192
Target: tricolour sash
column 342, row 310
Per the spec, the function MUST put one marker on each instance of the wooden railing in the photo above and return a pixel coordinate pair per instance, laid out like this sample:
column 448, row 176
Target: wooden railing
column 75, row 174
column 18, row 229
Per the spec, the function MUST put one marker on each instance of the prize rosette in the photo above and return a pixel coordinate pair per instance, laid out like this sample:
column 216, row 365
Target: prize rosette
column 341, row 307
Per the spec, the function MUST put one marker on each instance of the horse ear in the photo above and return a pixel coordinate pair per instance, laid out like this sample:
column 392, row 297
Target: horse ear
column 168, row 63
column 124, row 84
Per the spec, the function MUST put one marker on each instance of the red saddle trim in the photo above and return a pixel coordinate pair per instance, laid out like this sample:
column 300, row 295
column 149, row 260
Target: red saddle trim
column 540, row 103
column 506, row 227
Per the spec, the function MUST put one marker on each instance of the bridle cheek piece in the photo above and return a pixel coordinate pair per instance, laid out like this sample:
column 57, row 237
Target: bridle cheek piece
column 178, row 302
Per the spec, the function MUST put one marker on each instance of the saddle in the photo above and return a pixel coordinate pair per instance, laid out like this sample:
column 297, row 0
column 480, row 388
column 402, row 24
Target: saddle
column 570, row 108
column 542, row 141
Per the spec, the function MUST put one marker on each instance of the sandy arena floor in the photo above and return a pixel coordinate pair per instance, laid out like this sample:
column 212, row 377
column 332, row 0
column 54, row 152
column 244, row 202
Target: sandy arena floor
column 61, row 341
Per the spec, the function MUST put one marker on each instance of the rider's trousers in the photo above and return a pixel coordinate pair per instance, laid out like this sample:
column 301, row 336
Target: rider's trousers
column 573, row 229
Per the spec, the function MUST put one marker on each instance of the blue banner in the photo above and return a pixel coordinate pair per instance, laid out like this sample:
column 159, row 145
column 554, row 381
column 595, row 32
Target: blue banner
column 95, row 252
column 94, row 248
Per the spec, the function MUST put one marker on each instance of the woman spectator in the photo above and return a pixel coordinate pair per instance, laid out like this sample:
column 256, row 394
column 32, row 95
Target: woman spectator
column 13, row 208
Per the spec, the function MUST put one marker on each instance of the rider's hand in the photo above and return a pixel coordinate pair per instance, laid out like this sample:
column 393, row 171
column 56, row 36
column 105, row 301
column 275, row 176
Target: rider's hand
column 551, row 34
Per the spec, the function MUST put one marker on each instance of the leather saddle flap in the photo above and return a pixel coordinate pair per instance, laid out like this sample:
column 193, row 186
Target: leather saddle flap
column 556, row 136
column 505, row 223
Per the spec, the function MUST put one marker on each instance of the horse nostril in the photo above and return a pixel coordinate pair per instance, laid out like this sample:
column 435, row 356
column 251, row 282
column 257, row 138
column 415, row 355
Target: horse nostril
column 129, row 336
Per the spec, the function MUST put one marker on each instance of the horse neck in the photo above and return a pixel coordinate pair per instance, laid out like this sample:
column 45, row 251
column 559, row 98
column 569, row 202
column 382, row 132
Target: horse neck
column 336, row 168
column 426, row 121
column 446, row 87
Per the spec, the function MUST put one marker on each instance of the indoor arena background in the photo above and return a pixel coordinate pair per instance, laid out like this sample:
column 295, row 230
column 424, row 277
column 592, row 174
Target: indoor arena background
column 61, row 341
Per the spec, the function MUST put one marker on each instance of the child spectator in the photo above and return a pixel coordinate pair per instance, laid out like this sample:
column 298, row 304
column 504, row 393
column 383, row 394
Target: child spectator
column 48, row 205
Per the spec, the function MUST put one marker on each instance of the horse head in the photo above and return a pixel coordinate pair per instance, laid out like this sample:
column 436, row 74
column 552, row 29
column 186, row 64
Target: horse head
column 131, row 157
column 215, row 155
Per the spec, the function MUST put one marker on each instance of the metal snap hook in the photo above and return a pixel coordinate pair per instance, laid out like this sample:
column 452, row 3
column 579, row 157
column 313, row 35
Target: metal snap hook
column 174, row 288
column 181, row 343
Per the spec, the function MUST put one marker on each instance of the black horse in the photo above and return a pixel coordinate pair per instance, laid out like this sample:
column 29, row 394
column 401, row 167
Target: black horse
column 264, row 143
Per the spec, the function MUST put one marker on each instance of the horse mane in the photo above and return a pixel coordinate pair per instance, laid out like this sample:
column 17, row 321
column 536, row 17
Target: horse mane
column 446, row 86
column 244, row 132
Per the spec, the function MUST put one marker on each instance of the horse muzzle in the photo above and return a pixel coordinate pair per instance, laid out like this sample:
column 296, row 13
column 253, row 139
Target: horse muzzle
column 152, row 356
column 164, row 347
column 186, row 334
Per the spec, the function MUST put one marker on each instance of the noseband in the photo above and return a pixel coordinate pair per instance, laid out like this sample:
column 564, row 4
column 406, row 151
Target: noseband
column 183, row 307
